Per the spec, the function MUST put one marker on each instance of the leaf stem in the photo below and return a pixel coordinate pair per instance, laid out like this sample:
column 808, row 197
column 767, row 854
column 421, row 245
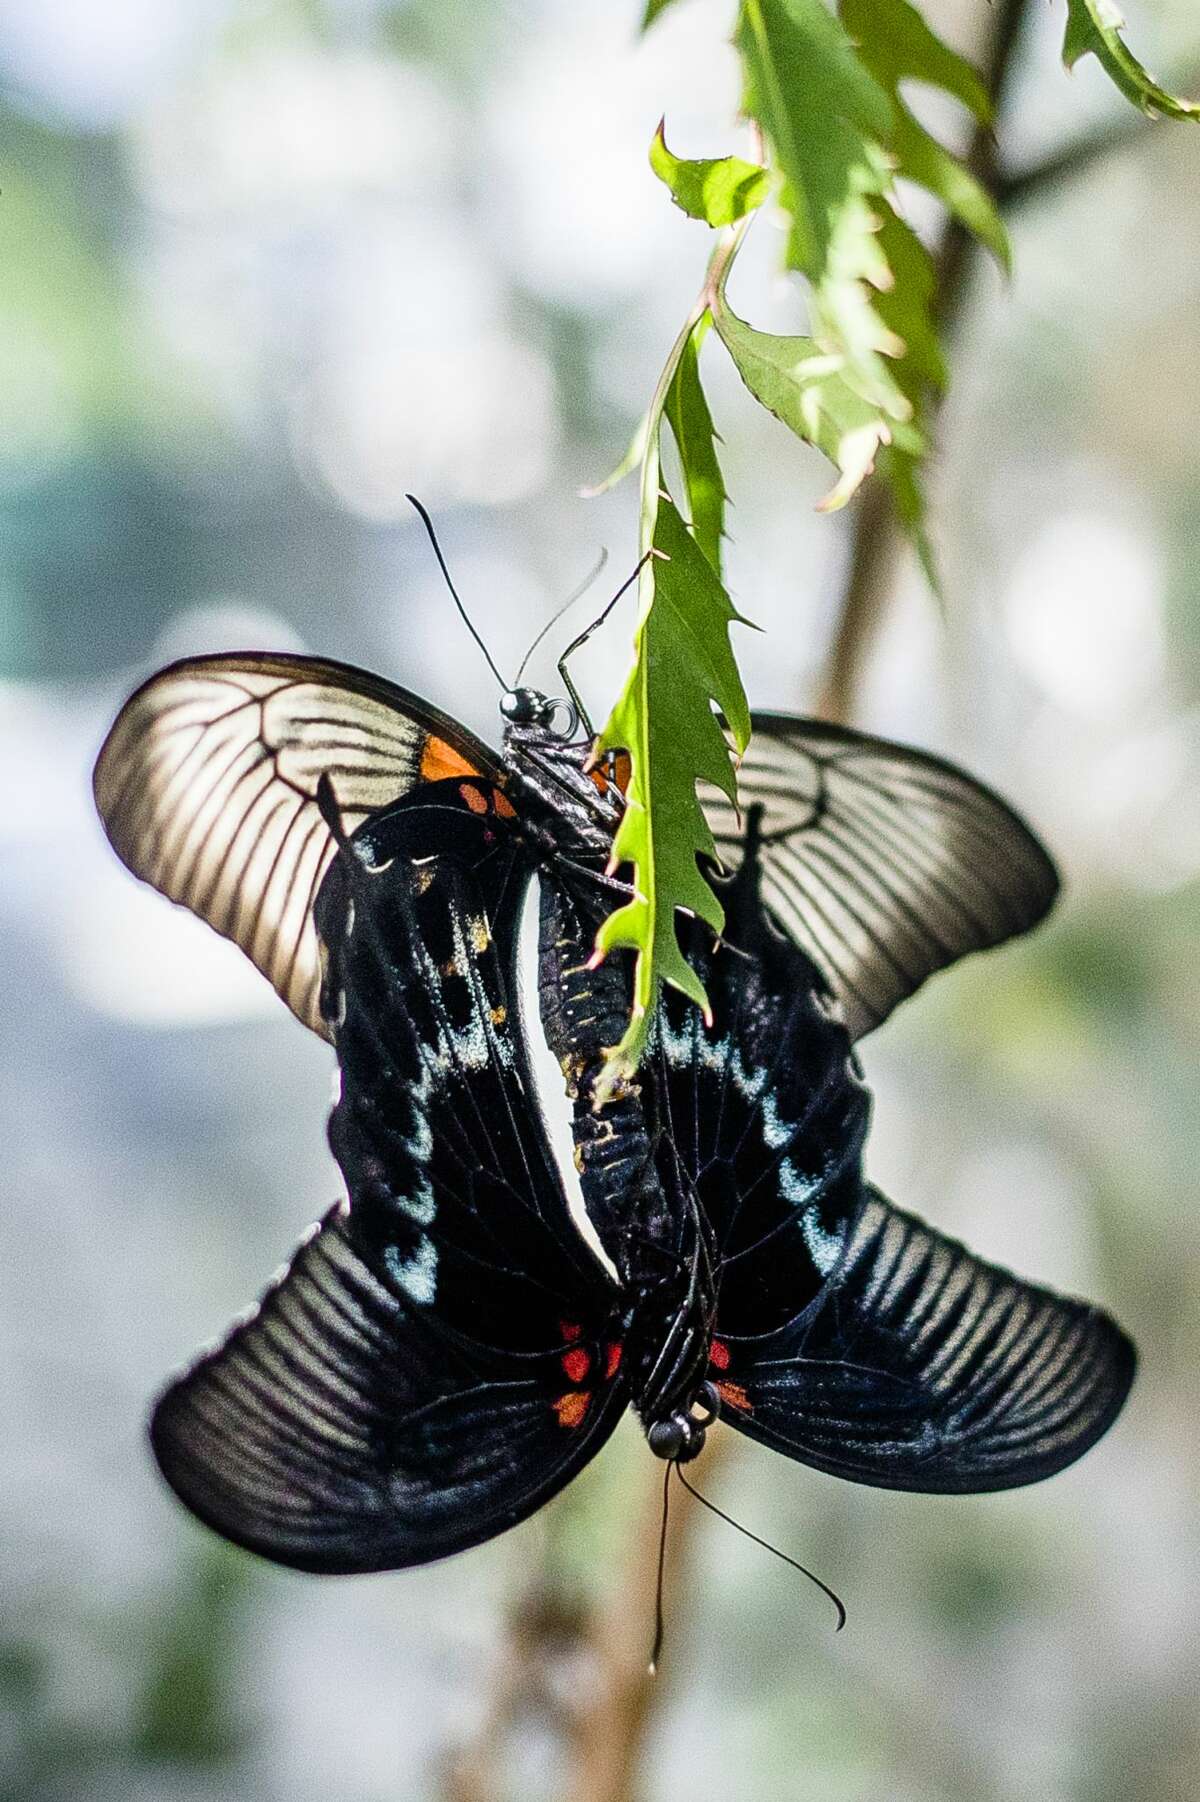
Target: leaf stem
column 720, row 262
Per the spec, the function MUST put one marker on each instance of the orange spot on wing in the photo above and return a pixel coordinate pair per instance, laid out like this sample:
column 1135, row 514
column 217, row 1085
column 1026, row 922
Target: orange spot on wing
column 718, row 1354
column 572, row 1408
column 504, row 806
column 440, row 760
column 612, row 1362
column 576, row 1363
column 734, row 1396
column 474, row 797
column 621, row 768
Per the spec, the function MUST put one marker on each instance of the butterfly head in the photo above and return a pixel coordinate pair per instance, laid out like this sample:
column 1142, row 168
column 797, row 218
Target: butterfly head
column 680, row 1436
column 525, row 707
column 529, row 707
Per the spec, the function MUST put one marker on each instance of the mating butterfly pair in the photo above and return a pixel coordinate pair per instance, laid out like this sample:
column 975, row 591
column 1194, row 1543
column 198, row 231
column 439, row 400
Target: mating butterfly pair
column 448, row 1347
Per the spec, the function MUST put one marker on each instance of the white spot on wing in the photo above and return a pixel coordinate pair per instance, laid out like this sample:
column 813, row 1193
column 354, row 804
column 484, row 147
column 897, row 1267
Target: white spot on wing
column 550, row 1093
column 416, row 1274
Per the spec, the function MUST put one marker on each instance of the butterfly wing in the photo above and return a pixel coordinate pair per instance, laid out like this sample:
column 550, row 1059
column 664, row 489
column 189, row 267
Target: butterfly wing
column 207, row 787
column 920, row 1366
column 444, row 1353
column 848, row 1334
column 882, row 863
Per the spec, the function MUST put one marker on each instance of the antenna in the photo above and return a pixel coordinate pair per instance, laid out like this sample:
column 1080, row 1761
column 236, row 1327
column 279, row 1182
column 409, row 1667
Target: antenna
column 437, row 551
column 558, row 613
column 578, row 643
column 656, row 1652
column 765, row 1544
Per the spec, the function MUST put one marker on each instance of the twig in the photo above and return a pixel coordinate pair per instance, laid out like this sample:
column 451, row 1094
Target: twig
column 876, row 540
column 543, row 1631
column 612, row 1727
column 1074, row 159
column 602, row 1729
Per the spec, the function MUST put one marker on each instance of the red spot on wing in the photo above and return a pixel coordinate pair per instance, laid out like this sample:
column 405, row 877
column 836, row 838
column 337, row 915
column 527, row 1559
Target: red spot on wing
column 572, row 1408
column 474, row 797
column 734, row 1396
column 569, row 1330
column 718, row 1355
column 612, row 1362
column 576, row 1363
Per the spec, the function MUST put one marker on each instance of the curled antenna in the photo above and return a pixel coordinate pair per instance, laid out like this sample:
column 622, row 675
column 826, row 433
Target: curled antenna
column 766, row 1545
column 656, row 1652
column 437, row 551
column 558, row 613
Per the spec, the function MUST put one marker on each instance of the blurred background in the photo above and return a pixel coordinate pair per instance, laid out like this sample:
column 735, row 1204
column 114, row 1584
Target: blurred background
column 265, row 264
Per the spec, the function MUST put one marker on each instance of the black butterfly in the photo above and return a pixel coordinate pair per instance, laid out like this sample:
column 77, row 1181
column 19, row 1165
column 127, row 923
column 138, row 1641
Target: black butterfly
column 448, row 1347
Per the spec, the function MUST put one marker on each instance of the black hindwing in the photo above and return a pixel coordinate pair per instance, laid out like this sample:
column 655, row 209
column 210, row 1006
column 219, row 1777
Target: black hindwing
column 849, row 1334
column 444, row 1353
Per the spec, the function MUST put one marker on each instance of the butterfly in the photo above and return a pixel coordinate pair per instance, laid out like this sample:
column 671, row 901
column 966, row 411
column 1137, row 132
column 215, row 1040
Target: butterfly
column 451, row 1344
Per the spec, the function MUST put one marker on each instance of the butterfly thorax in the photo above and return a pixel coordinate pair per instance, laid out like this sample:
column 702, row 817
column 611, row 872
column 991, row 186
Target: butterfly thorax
column 570, row 810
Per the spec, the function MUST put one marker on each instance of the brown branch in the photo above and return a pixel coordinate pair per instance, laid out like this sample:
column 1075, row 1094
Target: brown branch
column 877, row 542
column 602, row 1731
column 1074, row 159
column 543, row 1631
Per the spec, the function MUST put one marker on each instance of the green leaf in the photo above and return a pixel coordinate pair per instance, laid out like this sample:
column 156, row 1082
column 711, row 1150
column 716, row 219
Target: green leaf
column 826, row 120
column 717, row 190
column 806, row 387
column 907, row 308
column 653, row 9
column 896, row 45
column 900, row 466
column 696, row 439
column 664, row 718
column 1095, row 27
column 823, row 113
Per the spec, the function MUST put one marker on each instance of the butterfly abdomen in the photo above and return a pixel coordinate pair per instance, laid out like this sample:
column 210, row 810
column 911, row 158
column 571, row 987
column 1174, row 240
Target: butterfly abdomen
column 584, row 1012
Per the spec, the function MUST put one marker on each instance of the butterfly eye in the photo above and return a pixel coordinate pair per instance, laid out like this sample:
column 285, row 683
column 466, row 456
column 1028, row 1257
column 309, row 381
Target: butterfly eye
column 522, row 706
column 678, row 1438
column 668, row 1438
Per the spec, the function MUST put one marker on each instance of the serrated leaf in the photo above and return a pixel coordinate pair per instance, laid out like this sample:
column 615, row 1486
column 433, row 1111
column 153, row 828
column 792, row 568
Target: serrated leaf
column 900, row 467
column 907, row 308
column 806, row 388
column 823, row 114
column 827, row 120
column 717, row 190
column 1094, row 27
column 696, row 440
column 664, row 718
column 896, row 45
